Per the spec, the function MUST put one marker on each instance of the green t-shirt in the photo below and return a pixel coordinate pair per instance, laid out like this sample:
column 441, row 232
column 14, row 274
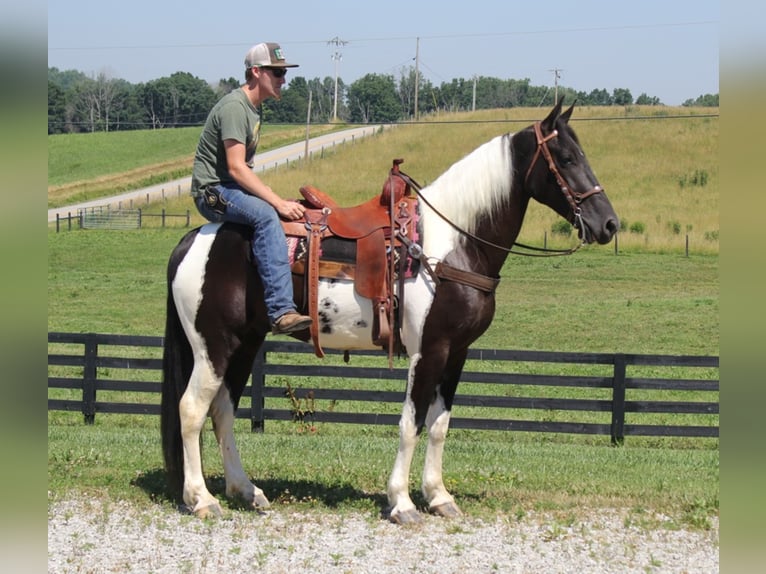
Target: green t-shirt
column 233, row 118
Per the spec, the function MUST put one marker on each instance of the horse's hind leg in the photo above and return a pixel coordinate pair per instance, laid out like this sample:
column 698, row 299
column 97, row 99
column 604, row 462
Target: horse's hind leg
column 237, row 482
column 193, row 409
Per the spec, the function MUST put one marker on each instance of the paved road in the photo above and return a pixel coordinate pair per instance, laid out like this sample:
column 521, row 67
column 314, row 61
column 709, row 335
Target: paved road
column 263, row 161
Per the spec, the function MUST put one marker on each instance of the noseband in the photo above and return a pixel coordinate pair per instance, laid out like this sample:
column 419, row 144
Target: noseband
column 573, row 198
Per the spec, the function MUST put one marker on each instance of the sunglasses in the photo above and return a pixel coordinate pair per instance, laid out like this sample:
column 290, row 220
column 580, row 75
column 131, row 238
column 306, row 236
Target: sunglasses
column 276, row 72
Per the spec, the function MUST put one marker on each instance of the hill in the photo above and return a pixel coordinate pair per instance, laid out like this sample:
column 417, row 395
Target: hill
column 659, row 166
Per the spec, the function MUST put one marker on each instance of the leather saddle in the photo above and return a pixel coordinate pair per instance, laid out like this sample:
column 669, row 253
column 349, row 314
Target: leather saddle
column 381, row 229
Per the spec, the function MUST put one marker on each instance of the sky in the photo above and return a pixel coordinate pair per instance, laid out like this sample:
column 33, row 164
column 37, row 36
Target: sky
column 665, row 48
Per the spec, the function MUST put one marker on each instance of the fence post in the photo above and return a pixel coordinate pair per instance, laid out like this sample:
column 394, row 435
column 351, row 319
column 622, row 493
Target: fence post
column 256, row 391
column 140, row 217
column 163, row 214
column 89, row 379
column 618, row 401
column 188, row 218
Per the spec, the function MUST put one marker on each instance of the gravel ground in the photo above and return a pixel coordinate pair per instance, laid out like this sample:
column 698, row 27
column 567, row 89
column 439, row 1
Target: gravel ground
column 100, row 536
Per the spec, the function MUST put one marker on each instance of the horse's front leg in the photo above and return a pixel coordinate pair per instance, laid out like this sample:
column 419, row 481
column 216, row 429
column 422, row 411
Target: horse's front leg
column 238, row 485
column 439, row 500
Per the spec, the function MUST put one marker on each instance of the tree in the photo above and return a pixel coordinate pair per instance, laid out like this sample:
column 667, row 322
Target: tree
column 622, row 97
column 373, row 98
column 178, row 100
column 56, row 108
column 292, row 107
column 427, row 98
column 644, row 100
column 599, row 98
column 323, row 103
column 226, row 86
column 706, row 100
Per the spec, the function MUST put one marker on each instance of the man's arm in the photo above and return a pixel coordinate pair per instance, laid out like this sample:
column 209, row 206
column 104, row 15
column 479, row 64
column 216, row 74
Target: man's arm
column 250, row 182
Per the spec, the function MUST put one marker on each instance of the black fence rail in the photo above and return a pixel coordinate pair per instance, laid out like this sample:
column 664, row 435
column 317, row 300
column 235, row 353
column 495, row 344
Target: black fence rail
column 595, row 392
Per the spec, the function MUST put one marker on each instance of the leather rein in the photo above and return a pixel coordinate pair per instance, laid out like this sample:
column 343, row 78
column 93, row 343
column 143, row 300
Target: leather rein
column 573, row 198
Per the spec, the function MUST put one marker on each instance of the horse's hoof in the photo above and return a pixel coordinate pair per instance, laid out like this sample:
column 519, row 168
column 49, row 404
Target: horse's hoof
column 406, row 517
column 446, row 510
column 260, row 502
column 210, row 511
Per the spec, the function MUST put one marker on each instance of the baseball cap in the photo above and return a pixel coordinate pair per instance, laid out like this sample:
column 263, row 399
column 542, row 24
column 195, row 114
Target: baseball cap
column 267, row 54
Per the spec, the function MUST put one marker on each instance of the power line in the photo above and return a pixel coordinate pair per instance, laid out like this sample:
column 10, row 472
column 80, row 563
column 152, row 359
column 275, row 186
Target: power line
column 390, row 38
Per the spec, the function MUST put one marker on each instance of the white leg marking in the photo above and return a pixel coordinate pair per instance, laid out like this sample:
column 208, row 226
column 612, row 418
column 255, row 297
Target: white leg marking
column 193, row 408
column 437, row 423
column 398, row 483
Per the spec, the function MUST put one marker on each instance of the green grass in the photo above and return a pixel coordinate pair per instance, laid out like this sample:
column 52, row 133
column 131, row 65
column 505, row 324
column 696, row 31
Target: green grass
column 113, row 282
column 648, row 299
column 487, row 472
column 82, row 167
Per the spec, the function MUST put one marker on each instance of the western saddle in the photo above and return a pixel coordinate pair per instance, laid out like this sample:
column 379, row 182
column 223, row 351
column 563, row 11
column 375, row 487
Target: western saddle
column 381, row 227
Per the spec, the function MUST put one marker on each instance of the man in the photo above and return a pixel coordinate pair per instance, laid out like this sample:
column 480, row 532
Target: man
column 225, row 188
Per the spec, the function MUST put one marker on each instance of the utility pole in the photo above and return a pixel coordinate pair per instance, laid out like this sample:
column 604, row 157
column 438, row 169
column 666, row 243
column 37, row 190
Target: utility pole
column 417, row 75
column 337, row 57
column 556, row 76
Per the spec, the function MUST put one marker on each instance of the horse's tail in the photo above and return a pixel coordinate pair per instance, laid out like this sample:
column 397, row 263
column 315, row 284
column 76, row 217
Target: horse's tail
column 177, row 363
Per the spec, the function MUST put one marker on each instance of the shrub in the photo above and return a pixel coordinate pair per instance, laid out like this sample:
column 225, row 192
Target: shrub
column 675, row 227
column 637, row 227
column 623, row 224
column 711, row 235
column 561, row 227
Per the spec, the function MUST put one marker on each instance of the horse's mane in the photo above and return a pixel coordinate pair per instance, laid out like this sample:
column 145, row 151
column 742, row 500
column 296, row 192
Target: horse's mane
column 471, row 188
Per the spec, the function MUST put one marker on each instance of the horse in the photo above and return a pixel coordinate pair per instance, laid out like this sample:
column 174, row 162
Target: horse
column 469, row 219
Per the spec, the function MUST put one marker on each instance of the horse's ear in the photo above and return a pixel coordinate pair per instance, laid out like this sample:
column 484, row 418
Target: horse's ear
column 568, row 113
column 549, row 122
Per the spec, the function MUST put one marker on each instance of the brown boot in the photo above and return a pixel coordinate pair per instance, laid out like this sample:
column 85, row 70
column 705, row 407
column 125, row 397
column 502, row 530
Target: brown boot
column 290, row 322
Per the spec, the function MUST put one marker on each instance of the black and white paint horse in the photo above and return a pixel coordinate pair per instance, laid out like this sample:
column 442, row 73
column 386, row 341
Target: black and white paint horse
column 469, row 218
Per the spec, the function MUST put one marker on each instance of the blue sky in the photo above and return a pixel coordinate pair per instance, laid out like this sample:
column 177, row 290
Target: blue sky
column 668, row 48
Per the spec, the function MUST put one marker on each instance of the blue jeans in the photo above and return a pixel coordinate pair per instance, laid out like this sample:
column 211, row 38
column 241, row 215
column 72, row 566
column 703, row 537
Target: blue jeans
column 269, row 244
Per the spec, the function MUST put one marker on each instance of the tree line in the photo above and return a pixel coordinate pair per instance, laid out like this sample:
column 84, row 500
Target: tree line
column 81, row 103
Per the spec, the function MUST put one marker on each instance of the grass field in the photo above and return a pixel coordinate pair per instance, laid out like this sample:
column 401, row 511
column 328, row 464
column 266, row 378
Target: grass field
column 87, row 166
column 659, row 167
column 649, row 298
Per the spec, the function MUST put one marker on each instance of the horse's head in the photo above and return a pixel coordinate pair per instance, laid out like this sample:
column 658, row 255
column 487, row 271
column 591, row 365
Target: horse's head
column 556, row 173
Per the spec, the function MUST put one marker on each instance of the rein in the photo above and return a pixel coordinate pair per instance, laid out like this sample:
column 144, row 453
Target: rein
column 573, row 199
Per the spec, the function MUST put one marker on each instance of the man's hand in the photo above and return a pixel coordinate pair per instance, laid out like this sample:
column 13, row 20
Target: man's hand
column 289, row 209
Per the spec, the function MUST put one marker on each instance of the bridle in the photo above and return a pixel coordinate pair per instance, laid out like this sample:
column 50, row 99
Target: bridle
column 573, row 198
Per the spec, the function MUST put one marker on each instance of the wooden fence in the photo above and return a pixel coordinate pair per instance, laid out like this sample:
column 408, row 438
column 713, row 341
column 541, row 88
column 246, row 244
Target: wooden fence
column 80, row 363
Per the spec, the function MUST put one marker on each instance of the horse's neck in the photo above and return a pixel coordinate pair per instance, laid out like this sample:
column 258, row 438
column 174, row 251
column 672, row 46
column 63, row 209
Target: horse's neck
column 478, row 197
column 487, row 257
